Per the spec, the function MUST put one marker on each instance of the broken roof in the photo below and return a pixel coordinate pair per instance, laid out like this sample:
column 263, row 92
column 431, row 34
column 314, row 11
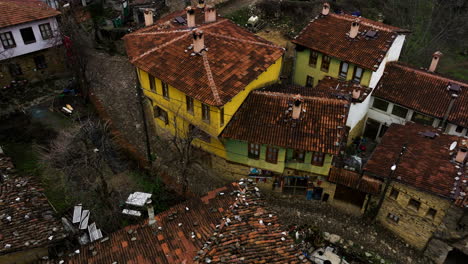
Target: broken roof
column 354, row 180
column 321, row 126
column 191, row 231
column 234, row 57
column 335, row 88
column 21, row 11
column 423, row 91
column 328, row 35
column 427, row 164
column 26, row 218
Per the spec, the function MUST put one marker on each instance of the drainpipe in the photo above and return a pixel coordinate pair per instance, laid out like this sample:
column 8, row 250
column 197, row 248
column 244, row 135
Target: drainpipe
column 143, row 114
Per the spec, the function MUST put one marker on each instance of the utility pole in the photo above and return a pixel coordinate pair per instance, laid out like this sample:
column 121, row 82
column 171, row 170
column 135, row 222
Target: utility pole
column 389, row 180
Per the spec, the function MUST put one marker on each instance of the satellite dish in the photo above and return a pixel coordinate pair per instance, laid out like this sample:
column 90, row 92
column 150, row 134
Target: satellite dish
column 453, row 145
column 393, row 167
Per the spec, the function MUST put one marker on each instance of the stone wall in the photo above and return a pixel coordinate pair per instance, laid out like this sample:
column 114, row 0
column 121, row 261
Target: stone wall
column 414, row 226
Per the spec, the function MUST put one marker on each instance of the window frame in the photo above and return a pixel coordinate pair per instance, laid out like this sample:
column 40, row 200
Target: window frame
column 431, row 213
column 325, row 66
column 401, row 108
column 393, row 217
column 357, row 79
column 165, row 90
column 318, row 158
column 382, row 101
column 313, row 58
column 46, row 31
column 40, row 62
column 458, row 130
column 7, row 37
column 414, row 204
column 221, row 117
column 271, row 154
column 15, row 67
column 24, row 31
column 189, row 104
column 343, row 74
column 252, row 149
column 309, row 81
column 152, row 82
column 421, row 121
column 394, row 193
column 206, row 113
column 297, row 153
column 161, row 114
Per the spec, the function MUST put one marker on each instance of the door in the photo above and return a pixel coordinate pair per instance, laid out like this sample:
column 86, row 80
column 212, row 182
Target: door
column 372, row 129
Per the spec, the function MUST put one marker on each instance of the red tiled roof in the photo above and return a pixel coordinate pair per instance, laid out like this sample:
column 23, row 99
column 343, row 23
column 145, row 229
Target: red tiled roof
column 262, row 119
column 354, row 180
column 427, row 164
column 235, row 57
column 328, row 35
column 181, row 236
column 26, row 218
column 423, row 91
column 15, row 12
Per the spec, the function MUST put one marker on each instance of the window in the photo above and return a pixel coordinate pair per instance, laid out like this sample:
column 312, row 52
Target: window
column 28, row 35
column 357, row 76
column 394, row 194
column 317, row 158
column 46, row 31
column 189, row 101
column 325, row 63
column 313, row 58
column 344, row 67
column 431, row 213
column 380, row 104
column 422, row 119
column 8, row 41
column 15, row 69
column 165, row 90
column 459, row 129
column 393, row 217
column 295, row 185
column 152, row 82
column 198, row 133
column 254, row 151
column 221, row 117
column 272, row 155
column 205, row 113
column 299, row 155
column 40, row 62
column 161, row 114
column 309, row 81
column 383, row 129
column 399, row 111
column 413, row 204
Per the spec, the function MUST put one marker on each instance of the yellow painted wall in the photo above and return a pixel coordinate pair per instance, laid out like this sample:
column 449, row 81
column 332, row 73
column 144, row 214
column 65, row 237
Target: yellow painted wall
column 302, row 69
column 307, row 165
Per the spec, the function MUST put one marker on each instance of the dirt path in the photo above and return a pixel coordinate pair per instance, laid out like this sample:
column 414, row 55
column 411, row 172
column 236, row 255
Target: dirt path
column 234, row 5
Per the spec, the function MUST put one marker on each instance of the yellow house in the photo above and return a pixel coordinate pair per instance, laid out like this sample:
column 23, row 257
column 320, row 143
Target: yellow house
column 197, row 69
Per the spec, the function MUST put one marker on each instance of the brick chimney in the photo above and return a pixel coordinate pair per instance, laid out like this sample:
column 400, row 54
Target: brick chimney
column 356, row 94
column 297, row 107
column 201, row 4
column 461, row 154
column 148, row 17
column 353, row 32
column 325, row 9
column 435, row 59
column 190, row 16
column 210, row 14
column 198, row 41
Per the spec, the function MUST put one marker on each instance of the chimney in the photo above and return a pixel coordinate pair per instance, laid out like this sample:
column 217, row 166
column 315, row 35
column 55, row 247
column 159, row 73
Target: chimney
column 353, row 32
column 150, row 208
column 297, row 107
column 210, row 14
column 435, row 59
column 148, row 17
column 198, row 41
column 449, row 110
column 325, row 9
column 356, row 94
column 201, row 4
column 190, row 16
column 461, row 155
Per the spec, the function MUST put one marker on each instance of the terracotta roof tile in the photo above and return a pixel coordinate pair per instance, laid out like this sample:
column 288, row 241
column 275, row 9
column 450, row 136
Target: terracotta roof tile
column 15, row 12
column 26, row 218
column 427, row 164
column 354, row 180
column 423, row 91
column 328, row 34
column 235, row 57
column 262, row 119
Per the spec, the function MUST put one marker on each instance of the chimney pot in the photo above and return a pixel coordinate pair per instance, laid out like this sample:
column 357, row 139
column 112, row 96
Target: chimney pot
column 198, row 41
column 353, row 32
column 461, row 155
column 148, row 17
column 297, row 107
column 325, row 9
column 201, row 4
column 210, row 14
column 190, row 16
column 435, row 60
column 356, row 94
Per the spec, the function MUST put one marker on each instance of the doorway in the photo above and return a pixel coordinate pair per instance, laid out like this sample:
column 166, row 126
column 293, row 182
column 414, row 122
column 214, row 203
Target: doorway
column 372, row 128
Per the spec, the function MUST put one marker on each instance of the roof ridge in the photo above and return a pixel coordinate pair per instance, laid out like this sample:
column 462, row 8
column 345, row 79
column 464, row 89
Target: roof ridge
column 159, row 47
column 161, row 32
column 364, row 21
column 209, row 74
column 244, row 40
column 290, row 95
column 429, row 74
